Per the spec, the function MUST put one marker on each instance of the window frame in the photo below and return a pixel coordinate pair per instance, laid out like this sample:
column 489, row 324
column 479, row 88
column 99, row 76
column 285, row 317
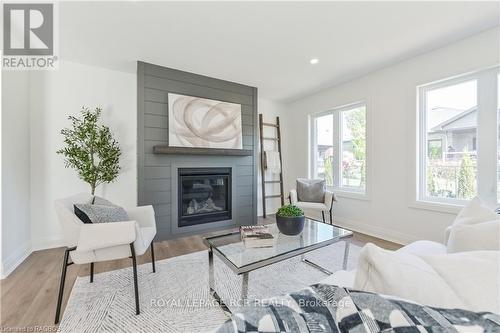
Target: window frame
column 336, row 112
column 485, row 122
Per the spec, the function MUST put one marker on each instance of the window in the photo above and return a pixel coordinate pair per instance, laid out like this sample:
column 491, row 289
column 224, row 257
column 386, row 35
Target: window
column 338, row 139
column 353, row 148
column 451, row 119
column 323, row 148
column 456, row 137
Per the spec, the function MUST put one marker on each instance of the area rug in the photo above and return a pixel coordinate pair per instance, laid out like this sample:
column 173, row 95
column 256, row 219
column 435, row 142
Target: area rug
column 177, row 299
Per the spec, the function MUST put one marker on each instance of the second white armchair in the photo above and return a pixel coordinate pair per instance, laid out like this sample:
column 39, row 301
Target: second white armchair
column 326, row 206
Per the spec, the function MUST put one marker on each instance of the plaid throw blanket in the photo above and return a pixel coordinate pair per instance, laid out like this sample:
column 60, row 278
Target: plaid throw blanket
column 326, row 308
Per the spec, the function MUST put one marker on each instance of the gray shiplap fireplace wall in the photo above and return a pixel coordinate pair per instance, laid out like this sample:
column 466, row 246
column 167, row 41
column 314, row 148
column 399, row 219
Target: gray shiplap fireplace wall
column 157, row 173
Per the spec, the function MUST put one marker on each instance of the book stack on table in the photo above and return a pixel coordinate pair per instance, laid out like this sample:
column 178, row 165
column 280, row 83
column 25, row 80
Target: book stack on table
column 254, row 236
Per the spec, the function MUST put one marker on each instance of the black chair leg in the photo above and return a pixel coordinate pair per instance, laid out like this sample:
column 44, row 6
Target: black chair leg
column 153, row 257
column 91, row 272
column 61, row 283
column 136, row 288
column 323, row 214
column 331, row 217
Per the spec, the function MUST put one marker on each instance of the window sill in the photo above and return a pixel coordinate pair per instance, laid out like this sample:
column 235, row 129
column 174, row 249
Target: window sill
column 351, row 194
column 450, row 208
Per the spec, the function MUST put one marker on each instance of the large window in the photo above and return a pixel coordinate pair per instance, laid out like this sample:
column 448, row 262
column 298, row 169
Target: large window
column 457, row 136
column 451, row 132
column 353, row 148
column 339, row 147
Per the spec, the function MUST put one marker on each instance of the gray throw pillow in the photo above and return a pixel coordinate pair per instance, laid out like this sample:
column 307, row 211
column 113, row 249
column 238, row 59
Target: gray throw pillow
column 100, row 210
column 100, row 213
column 311, row 190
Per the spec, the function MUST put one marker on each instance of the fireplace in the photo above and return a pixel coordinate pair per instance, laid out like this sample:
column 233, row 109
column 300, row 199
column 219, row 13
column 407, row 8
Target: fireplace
column 204, row 195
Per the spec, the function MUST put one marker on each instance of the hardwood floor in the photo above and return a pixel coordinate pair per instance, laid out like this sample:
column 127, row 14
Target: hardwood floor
column 29, row 294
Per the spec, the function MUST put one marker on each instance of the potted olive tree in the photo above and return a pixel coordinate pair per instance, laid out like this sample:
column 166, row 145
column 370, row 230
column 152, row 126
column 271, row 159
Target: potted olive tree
column 290, row 220
column 90, row 149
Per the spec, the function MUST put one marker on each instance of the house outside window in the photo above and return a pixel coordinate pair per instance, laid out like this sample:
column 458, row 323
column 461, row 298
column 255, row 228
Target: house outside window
column 454, row 123
column 338, row 146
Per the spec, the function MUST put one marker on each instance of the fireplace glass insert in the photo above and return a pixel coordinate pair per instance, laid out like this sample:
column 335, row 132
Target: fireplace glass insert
column 204, row 195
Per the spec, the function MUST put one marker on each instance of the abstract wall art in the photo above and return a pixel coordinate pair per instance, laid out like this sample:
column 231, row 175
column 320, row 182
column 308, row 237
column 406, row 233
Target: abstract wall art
column 203, row 123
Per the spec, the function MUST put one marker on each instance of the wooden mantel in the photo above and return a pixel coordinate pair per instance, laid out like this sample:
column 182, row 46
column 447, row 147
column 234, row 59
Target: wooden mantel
column 165, row 149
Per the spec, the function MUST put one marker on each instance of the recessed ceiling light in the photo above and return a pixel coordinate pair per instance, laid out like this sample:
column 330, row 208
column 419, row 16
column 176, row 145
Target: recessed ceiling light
column 314, row 61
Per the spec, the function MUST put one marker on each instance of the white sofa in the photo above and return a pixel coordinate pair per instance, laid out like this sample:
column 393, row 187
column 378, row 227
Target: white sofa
column 463, row 272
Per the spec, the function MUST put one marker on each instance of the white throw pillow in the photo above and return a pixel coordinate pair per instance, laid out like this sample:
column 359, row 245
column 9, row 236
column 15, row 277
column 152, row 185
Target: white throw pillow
column 475, row 212
column 403, row 275
column 475, row 237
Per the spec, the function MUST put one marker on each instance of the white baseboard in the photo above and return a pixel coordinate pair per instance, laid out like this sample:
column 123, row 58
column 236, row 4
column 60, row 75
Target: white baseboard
column 375, row 231
column 15, row 259
column 48, row 243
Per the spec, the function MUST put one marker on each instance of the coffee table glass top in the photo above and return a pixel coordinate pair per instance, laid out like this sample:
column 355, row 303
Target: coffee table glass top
column 315, row 235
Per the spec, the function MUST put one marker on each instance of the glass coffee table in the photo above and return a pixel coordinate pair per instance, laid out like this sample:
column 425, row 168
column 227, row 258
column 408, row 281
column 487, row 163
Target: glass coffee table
column 242, row 260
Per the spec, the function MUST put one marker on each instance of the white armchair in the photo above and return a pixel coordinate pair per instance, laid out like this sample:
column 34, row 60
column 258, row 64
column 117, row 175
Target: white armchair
column 326, row 206
column 90, row 243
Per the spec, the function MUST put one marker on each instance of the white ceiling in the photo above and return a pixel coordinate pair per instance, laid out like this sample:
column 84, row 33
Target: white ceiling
column 266, row 44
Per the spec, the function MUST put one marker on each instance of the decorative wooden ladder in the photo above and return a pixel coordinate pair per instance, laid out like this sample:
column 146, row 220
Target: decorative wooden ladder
column 263, row 162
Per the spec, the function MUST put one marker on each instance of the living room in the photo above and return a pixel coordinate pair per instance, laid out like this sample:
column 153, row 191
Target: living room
column 214, row 166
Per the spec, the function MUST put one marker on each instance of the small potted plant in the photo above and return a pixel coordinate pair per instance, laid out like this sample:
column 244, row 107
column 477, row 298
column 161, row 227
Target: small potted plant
column 290, row 220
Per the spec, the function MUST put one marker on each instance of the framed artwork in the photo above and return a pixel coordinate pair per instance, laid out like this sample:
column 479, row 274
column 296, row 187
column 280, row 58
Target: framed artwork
column 203, row 123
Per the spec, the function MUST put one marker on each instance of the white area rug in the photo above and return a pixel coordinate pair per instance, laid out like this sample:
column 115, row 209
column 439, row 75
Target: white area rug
column 177, row 299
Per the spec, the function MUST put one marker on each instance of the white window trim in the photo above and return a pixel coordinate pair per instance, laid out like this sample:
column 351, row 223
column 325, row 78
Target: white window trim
column 342, row 191
column 487, row 125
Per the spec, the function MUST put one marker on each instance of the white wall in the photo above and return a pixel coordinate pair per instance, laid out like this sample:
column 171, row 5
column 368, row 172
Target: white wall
column 54, row 96
column 391, row 97
column 15, row 190
column 270, row 110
